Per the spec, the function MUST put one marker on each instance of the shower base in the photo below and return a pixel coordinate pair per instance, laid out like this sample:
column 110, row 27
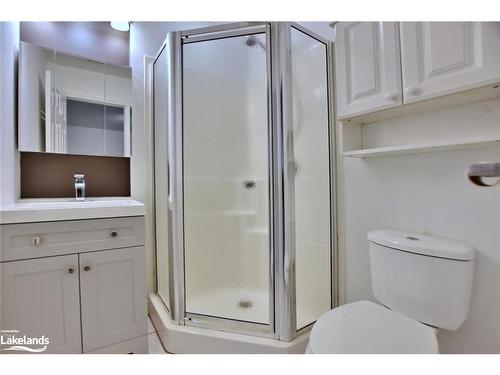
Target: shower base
column 245, row 304
column 193, row 340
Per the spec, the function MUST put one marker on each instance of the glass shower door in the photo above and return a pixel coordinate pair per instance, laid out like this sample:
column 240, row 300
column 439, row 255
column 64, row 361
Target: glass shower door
column 226, row 178
column 311, row 160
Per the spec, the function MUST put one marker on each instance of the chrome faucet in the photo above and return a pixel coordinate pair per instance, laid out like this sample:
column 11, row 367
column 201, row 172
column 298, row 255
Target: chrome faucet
column 79, row 186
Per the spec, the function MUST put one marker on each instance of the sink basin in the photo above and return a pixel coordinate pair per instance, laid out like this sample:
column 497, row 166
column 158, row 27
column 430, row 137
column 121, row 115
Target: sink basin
column 69, row 209
column 57, row 204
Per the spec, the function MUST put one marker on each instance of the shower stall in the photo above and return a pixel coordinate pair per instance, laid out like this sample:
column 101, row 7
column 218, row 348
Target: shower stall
column 244, row 178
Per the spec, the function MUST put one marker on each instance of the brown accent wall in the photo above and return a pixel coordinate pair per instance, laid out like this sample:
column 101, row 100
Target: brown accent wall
column 45, row 175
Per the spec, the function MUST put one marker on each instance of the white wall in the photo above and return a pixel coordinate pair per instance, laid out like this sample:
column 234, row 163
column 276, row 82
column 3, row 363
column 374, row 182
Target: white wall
column 9, row 157
column 429, row 193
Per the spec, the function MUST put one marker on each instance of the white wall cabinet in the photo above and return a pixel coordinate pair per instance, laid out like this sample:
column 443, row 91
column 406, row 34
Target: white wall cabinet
column 437, row 59
column 368, row 67
column 440, row 58
column 65, row 280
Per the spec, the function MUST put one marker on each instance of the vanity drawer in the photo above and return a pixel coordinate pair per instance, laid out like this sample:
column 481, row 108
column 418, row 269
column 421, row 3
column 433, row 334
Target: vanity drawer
column 34, row 240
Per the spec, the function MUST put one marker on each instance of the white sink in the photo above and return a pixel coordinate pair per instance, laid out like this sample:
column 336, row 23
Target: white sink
column 56, row 204
column 69, row 209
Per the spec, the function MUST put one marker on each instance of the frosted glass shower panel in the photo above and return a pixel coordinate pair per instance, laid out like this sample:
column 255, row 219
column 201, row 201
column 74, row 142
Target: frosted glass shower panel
column 312, row 177
column 226, row 186
column 161, row 175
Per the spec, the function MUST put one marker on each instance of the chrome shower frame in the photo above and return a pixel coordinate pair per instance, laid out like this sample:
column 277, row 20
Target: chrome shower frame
column 282, row 289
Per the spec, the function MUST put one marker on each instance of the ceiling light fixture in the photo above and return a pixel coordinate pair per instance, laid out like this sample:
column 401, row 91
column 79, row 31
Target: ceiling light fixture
column 121, row 26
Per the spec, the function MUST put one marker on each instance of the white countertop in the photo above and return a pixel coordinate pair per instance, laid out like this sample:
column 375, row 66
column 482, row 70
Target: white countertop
column 37, row 210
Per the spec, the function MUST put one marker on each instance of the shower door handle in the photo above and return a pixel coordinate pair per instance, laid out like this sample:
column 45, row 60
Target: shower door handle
column 476, row 172
column 170, row 187
column 169, row 181
column 286, row 268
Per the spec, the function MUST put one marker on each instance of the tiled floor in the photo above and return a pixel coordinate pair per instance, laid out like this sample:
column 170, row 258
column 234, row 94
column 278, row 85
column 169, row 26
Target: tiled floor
column 154, row 343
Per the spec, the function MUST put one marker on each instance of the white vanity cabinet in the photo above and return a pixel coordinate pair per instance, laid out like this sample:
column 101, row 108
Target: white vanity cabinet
column 41, row 297
column 383, row 65
column 113, row 296
column 440, row 58
column 368, row 73
column 81, row 283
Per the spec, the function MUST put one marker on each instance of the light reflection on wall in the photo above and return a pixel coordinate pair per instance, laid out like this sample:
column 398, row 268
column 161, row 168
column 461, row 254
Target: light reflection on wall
column 94, row 40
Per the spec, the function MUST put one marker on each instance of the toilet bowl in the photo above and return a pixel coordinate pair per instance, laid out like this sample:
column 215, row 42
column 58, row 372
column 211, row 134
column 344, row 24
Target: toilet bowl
column 422, row 281
column 366, row 327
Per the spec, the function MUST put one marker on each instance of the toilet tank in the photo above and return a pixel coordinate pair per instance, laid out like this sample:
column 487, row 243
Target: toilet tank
column 423, row 277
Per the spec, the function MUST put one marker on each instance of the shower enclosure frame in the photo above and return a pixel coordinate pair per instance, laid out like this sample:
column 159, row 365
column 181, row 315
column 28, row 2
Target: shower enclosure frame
column 282, row 292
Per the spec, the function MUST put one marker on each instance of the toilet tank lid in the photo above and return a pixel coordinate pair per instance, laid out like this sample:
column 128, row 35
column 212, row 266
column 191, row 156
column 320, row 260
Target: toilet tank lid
column 422, row 244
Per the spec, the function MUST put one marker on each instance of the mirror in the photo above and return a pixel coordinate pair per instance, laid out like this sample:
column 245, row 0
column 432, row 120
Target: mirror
column 68, row 104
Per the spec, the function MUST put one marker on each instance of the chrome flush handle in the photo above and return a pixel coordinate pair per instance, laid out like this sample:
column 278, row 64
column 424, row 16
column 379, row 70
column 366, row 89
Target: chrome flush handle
column 477, row 172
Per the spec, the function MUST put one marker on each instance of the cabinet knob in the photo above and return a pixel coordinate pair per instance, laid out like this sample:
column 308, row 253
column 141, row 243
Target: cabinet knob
column 36, row 241
column 86, row 268
column 71, row 270
column 412, row 90
column 391, row 96
column 114, row 234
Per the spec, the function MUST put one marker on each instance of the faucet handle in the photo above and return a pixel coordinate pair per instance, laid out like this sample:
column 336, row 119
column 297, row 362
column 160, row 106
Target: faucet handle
column 79, row 186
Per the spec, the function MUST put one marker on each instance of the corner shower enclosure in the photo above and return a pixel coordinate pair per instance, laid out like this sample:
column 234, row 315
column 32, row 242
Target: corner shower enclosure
column 244, row 177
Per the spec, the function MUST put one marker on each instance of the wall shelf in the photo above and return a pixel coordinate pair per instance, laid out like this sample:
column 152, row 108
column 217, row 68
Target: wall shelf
column 460, row 144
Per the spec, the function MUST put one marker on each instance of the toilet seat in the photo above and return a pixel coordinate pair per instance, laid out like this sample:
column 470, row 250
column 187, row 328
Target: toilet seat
column 366, row 327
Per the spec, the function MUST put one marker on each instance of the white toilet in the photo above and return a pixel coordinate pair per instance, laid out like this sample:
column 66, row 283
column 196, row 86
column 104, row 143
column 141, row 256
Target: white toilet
column 424, row 283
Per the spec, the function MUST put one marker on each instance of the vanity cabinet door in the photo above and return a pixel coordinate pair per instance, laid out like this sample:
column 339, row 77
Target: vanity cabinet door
column 113, row 296
column 440, row 58
column 41, row 297
column 368, row 70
